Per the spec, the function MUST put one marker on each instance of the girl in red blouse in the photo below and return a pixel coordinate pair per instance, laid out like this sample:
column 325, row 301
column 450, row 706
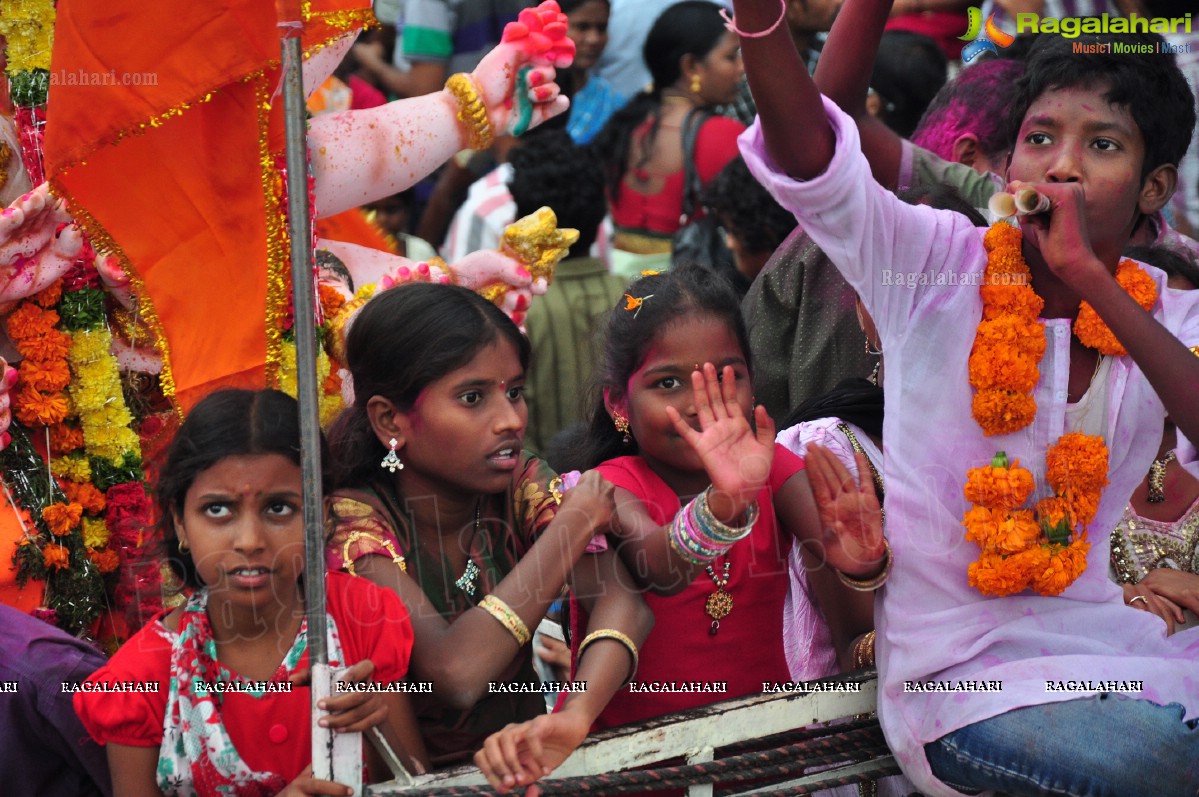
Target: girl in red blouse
column 211, row 698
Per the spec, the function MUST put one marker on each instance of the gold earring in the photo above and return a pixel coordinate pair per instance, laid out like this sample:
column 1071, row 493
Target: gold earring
column 622, row 425
column 696, row 84
column 182, row 545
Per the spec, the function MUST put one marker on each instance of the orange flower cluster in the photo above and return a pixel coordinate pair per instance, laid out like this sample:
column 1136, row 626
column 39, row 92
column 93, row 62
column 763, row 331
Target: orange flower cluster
column 44, row 373
column 331, row 301
column 62, row 518
column 1089, row 327
column 105, row 561
column 86, row 495
column 1010, row 341
column 65, row 438
column 56, row 556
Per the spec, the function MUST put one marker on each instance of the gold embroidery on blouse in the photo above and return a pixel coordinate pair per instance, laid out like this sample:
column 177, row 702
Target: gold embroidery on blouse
column 1140, row 545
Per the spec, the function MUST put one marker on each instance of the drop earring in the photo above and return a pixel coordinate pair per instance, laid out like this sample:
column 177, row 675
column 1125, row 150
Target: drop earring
column 391, row 461
column 697, row 84
column 622, row 425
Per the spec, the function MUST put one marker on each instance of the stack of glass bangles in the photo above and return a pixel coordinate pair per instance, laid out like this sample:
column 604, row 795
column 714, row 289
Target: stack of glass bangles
column 699, row 537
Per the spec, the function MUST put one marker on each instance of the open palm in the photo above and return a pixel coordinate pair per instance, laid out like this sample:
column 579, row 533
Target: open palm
column 736, row 457
column 849, row 512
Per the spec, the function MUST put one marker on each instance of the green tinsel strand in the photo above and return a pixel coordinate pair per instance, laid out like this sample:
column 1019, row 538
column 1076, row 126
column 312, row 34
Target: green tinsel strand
column 30, row 88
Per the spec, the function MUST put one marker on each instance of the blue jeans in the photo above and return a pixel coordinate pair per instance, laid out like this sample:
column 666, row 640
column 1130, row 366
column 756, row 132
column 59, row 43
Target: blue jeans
column 1106, row 745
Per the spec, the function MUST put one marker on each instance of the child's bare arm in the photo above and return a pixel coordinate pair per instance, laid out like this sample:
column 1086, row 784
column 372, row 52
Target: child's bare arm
column 790, row 109
column 843, row 75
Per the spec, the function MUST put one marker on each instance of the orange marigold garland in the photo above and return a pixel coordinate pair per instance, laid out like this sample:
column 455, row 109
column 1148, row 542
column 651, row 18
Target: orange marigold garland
column 1089, row 327
column 1044, row 548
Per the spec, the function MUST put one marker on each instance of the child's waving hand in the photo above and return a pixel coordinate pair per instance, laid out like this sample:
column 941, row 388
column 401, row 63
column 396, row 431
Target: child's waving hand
column 736, row 457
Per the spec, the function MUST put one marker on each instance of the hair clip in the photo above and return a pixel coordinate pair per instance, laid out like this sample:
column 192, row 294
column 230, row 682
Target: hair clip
column 649, row 272
column 634, row 303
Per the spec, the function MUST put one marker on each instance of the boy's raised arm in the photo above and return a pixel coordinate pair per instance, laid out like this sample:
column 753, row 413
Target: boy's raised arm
column 790, row 111
column 843, row 75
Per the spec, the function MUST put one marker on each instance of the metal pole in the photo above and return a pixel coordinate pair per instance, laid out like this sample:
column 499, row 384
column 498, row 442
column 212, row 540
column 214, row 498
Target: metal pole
column 299, row 215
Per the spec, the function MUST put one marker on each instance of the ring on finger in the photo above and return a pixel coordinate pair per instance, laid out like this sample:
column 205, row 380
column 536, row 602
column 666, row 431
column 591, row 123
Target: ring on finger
column 1139, row 598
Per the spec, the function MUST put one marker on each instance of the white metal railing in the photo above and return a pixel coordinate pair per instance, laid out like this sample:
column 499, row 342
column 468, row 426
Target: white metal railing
column 695, row 735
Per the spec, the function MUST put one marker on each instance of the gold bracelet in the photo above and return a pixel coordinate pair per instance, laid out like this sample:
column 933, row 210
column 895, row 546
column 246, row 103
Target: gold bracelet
column 872, row 584
column 472, row 113
column 615, row 636
column 863, row 652
column 507, row 618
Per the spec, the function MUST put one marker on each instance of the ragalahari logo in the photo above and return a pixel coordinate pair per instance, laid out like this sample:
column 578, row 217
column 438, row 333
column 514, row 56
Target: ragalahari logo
column 983, row 38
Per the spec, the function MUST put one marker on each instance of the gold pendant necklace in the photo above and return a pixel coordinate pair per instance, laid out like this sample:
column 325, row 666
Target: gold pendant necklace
column 720, row 602
column 1157, row 478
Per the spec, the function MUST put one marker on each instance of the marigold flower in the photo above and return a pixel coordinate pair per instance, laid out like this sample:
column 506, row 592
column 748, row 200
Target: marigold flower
column 999, row 487
column 56, row 556
column 50, row 296
column 1002, row 236
column 62, row 518
column 52, row 345
column 1002, row 412
column 1001, row 530
column 1090, row 328
column 86, row 495
column 34, row 408
column 105, row 561
column 95, row 532
column 65, row 438
column 1000, row 576
column 1003, row 367
column 1006, row 296
column 1062, row 568
column 331, row 300
column 29, row 321
column 1077, row 461
column 46, row 376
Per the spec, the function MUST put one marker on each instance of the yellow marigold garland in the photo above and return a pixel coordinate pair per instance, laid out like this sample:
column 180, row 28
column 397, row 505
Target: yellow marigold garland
column 1023, row 548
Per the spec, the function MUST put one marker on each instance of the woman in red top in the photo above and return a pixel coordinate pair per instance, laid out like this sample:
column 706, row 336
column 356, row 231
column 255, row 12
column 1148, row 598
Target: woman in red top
column 695, row 64
column 211, row 697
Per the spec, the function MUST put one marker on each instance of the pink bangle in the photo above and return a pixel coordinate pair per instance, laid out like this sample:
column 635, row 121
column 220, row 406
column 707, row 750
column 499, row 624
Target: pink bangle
column 731, row 26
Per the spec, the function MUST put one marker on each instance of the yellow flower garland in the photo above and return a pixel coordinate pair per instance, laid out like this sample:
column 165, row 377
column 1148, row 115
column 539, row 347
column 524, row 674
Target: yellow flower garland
column 1022, row 548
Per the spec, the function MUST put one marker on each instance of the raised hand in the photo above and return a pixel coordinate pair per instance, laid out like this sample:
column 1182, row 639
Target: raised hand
column 736, row 457
column 520, row 754
column 849, row 512
column 518, row 98
column 33, row 250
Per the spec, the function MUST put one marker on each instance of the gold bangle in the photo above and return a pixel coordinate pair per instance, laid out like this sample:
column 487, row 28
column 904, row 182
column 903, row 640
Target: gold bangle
column 355, row 536
column 472, row 113
column 507, row 618
column 863, row 652
column 870, row 585
column 615, row 636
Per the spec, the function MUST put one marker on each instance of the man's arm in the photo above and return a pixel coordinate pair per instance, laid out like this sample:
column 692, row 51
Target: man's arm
column 843, row 75
column 790, row 111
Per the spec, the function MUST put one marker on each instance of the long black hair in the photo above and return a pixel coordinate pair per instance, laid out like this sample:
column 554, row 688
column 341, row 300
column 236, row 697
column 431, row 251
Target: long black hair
column 687, row 291
column 690, row 27
column 227, row 423
column 403, row 340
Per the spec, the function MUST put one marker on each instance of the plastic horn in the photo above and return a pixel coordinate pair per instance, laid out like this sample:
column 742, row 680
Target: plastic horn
column 1024, row 202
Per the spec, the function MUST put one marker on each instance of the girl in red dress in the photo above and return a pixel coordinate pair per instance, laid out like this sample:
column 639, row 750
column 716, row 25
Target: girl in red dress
column 671, row 424
column 211, row 698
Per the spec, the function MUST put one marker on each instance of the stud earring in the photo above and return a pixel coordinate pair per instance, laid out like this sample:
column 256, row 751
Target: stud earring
column 391, row 461
column 622, row 425
column 696, row 84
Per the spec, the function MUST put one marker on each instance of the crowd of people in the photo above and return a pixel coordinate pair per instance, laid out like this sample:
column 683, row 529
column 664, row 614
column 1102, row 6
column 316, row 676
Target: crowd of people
column 697, row 466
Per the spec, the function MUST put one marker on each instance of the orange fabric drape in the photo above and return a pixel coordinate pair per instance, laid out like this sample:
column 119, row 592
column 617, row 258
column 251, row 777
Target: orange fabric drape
column 162, row 134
